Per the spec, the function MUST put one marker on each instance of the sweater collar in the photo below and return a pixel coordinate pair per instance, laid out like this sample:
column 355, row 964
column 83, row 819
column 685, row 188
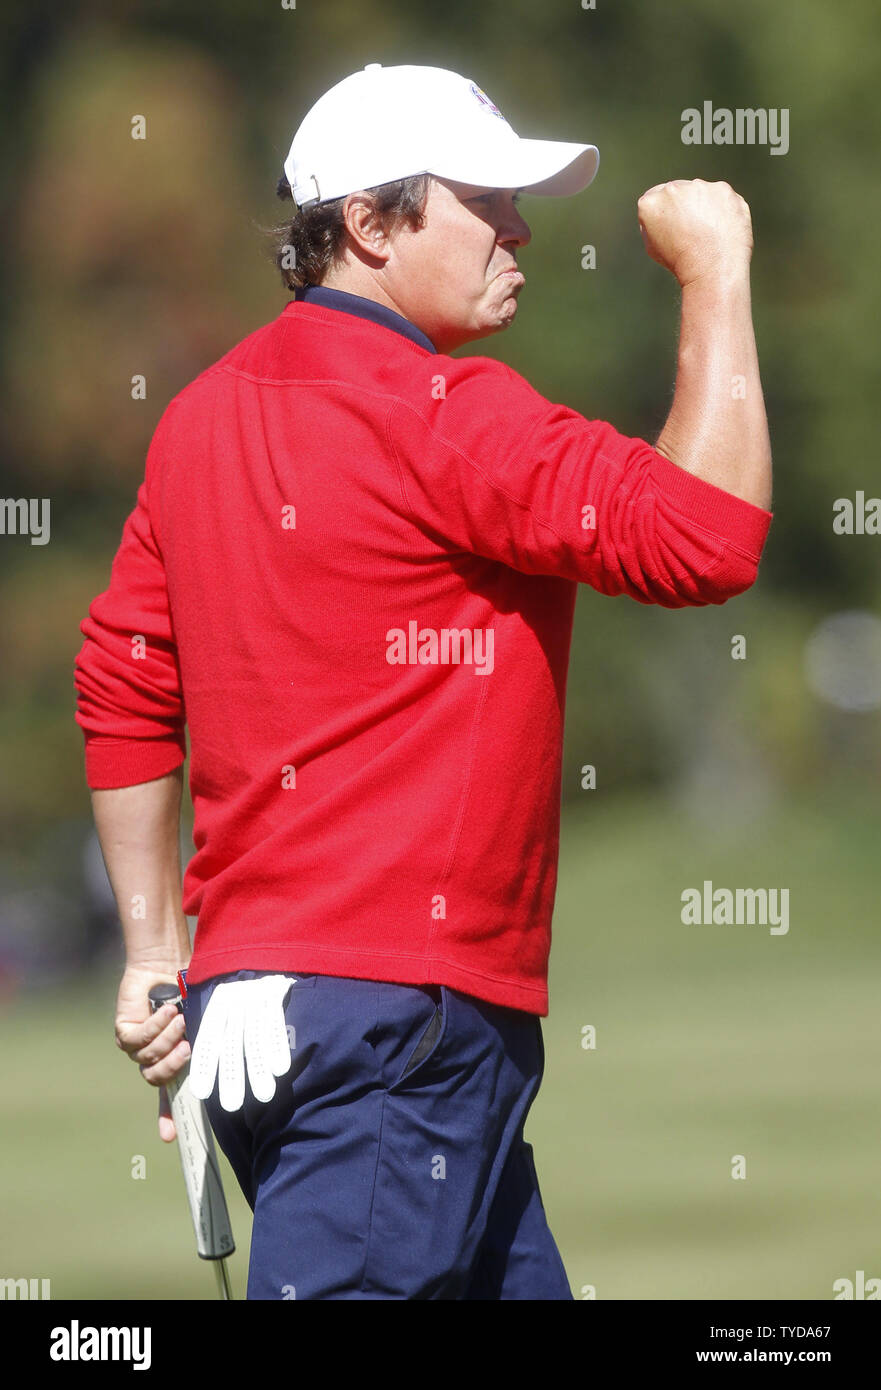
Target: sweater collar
column 364, row 309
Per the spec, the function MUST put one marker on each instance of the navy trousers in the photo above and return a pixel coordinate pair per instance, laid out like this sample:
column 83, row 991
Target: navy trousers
column 391, row 1162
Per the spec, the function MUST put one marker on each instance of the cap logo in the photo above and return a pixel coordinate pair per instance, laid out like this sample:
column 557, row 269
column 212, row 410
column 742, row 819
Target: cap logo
column 485, row 101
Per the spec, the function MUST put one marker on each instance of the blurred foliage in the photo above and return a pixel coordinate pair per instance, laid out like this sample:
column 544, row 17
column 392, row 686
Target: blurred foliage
column 149, row 256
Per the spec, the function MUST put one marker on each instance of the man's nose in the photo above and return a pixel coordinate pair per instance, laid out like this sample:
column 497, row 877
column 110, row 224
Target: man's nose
column 515, row 228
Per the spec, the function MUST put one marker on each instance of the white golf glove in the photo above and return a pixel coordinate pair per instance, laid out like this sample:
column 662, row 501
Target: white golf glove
column 243, row 1024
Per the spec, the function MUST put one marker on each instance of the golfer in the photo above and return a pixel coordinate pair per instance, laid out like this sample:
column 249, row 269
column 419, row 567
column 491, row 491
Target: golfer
column 351, row 574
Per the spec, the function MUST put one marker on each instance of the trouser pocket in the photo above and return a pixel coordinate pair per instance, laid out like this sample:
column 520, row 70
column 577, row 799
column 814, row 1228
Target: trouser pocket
column 425, row 1043
column 409, row 1024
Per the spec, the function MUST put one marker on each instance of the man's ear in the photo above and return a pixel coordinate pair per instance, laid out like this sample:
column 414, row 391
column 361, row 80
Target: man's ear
column 365, row 227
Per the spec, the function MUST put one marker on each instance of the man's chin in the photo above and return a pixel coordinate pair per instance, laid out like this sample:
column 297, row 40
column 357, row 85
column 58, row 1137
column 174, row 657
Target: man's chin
column 496, row 320
column 504, row 313
column 498, row 325
column 508, row 311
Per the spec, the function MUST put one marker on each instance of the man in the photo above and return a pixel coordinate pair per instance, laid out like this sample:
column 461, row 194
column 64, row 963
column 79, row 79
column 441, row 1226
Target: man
column 352, row 569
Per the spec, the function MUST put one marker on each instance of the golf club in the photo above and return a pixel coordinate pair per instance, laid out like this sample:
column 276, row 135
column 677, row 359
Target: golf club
column 214, row 1239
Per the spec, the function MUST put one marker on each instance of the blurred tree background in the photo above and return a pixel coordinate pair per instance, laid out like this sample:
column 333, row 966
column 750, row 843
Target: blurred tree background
column 151, row 257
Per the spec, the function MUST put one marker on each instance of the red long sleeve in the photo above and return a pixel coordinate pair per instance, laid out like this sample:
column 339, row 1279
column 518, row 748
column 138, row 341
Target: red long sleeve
column 130, row 704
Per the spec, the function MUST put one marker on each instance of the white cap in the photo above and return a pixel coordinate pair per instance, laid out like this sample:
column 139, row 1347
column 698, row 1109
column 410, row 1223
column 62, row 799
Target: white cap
column 384, row 124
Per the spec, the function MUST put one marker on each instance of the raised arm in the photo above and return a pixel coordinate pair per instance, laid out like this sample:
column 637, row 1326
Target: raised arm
column 717, row 428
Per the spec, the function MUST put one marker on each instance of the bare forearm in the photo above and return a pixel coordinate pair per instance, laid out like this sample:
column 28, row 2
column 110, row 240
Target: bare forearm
column 139, row 831
column 717, row 427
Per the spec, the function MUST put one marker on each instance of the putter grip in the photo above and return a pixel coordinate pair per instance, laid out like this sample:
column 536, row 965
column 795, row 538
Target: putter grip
column 195, row 1142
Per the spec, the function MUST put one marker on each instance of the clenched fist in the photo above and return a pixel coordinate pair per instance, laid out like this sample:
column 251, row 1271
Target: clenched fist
column 696, row 229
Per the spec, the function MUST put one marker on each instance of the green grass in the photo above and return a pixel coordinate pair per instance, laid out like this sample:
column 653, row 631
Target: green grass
column 711, row 1042
column 714, row 1041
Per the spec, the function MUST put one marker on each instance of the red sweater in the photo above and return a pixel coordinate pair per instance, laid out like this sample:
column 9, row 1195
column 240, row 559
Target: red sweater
column 351, row 571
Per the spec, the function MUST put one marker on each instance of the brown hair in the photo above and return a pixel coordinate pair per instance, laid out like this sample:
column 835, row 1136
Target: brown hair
column 307, row 246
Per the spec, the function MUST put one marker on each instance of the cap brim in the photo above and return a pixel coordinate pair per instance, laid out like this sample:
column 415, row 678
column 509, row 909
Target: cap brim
column 572, row 167
column 550, row 168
